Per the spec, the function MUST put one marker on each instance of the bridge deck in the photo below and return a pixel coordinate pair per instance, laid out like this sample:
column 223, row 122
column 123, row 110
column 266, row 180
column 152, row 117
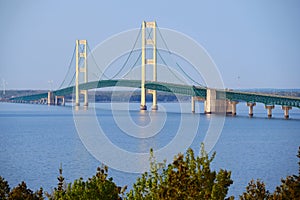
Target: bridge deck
column 188, row 90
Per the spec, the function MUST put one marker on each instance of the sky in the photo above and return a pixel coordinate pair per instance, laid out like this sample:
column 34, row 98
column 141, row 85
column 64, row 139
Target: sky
column 255, row 44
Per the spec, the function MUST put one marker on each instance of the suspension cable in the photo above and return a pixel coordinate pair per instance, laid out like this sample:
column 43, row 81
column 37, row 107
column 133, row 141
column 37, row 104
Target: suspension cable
column 72, row 79
column 178, row 65
column 70, row 65
column 128, row 55
column 165, row 63
column 90, row 53
column 140, row 55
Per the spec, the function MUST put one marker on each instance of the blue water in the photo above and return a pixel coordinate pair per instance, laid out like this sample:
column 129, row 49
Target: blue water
column 37, row 139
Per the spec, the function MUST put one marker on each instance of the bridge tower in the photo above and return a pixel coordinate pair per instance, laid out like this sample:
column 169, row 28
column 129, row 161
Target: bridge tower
column 148, row 39
column 81, row 54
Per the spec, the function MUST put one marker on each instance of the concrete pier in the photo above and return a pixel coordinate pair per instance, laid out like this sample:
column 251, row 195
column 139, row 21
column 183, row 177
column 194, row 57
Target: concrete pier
column 85, row 95
column 43, row 101
column 154, row 104
column 286, row 111
column 154, row 95
column 143, row 107
column 233, row 107
column 57, row 98
column 214, row 105
column 193, row 99
column 50, row 100
column 269, row 108
column 251, row 105
column 193, row 104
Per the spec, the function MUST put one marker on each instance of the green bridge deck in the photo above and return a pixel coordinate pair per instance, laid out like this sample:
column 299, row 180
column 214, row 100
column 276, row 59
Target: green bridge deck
column 188, row 90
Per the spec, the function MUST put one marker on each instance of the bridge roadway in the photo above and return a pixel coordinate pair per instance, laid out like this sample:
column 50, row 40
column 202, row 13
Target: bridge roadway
column 197, row 91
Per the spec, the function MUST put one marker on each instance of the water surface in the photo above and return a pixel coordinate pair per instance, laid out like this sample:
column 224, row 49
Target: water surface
column 37, row 139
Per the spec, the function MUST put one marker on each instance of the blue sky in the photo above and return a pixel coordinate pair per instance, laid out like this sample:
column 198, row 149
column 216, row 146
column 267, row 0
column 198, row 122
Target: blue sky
column 255, row 44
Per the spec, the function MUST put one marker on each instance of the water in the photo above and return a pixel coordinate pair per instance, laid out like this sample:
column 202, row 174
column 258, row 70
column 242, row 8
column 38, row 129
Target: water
column 37, row 139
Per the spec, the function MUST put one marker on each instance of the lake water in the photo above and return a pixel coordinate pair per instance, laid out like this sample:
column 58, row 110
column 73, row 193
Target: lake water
column 37, row 139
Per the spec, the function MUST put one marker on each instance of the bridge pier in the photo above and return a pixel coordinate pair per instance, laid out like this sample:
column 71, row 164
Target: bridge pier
column 233, row 107
column 269, row 108
column 214, row 105
column 154, row 96
column 286, row 111
column 143, row 107
column 50, row 100
column 251, row 105
column 193, row 104
column 143, row 98
column 193, row 99
column 43, row 101
column 85, row 94
column 57, row 100
column 154, row 104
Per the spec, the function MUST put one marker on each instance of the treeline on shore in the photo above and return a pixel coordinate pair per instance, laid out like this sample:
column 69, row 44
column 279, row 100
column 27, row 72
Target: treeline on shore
column 187, row 177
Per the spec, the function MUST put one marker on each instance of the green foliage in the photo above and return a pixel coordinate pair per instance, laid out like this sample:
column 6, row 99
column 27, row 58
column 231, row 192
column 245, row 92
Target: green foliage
column 21, row 192
column 188, row 177
column 255, row 191
column 288, row 190
column 4, row 188
column 97, row 187
column 290, row 187
column 18, row 193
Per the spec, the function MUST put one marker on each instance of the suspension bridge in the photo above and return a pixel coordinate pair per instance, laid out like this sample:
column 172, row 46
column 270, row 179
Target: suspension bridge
column 79, row 82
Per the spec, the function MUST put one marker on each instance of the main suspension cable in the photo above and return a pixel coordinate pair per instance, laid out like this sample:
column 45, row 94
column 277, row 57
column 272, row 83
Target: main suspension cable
column 70, row 65
column 177, row 64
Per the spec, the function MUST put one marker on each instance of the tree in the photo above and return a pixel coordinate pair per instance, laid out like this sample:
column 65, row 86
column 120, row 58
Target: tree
column 188, row 177
column 255, row 191
column 290, row 187
column 21, row 192
column 4, row 188
column 61, row 188
column 97, row 187
column 288, row 190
